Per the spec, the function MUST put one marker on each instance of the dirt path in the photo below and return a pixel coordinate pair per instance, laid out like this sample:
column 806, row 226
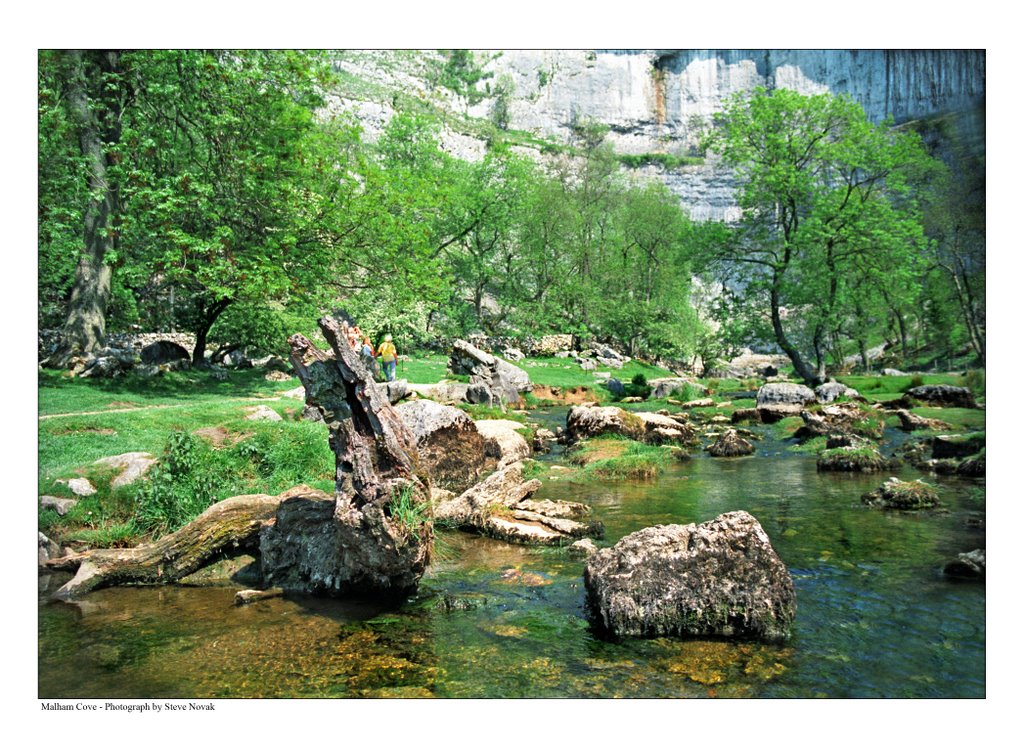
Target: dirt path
column 154, row 407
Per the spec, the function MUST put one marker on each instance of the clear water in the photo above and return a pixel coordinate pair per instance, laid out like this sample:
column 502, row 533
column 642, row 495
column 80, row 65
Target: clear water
column 875, row 617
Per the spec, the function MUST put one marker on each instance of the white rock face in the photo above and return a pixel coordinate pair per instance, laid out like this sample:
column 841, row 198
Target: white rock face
column 658, row 101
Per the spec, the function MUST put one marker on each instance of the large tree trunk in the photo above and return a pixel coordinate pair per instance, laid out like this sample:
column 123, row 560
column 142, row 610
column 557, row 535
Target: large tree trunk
column 97, row 123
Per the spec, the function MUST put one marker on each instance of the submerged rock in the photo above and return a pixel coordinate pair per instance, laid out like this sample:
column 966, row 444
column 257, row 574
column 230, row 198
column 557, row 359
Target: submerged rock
column 718, row 578
column 967, row 565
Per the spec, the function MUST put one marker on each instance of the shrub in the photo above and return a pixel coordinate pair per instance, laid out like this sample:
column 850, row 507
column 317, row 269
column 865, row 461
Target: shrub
column 414, row 517
column 639, row 380
column 179, row 488
column 974, row 380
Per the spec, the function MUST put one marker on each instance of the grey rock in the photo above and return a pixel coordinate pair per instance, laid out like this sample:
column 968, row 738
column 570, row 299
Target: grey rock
column 969, row 565
column 80, row 486
column 584, row 422
column 718, row 578
column 830, row 391
column 263, row 413
column 663, row 387
column 616, row 387
column 451, row 448
column 513, row 354
column 731, row 444
column 582, row 548
column 57, row 504
column 395, row 391
column 505, row 381
column 587, row 364
column 943, row 396
column 133, row 465
column 503, row 440
column 299, row 393
column 784, row 393
column 47, row 549
column 611, row 363
column 894, row 373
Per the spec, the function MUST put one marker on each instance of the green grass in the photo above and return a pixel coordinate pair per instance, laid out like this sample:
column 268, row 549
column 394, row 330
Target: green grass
column 610, row 457
column 258, row 457
column 961, row 419
column 424, row 368
column 879, row 388
column 62, row 394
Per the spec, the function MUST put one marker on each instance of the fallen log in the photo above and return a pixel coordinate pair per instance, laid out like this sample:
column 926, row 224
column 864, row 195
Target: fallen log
column 228, row 527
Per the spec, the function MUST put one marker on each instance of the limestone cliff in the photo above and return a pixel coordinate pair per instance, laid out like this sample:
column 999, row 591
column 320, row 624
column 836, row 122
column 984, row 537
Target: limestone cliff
column 656, row 101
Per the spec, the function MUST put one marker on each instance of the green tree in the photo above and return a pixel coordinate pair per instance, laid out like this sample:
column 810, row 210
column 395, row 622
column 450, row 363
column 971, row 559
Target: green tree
column 821, row 189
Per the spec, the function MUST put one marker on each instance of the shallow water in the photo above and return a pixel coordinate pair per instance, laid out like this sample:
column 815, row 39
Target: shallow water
column 875, row 617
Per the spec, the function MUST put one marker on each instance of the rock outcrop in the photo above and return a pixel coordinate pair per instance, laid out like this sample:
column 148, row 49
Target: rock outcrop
column 942, row 396
column 451, row 449
column 500, row 507
column 503, row 441
column 731, row 444
column 898, row 494
column 504, row 382
column 718, row 578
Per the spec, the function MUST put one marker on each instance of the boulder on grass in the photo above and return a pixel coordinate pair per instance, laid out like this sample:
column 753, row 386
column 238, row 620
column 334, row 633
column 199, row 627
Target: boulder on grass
column 831, row 391
column 785, row 393
column 718, row 578
column 943, row 396
column 131, row 466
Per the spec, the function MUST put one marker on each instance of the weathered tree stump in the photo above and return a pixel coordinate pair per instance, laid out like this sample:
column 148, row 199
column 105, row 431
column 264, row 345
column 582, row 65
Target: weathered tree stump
column 374, row 535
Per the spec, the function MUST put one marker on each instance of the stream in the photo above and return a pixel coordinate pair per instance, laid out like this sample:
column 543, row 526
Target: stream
column 875, row 616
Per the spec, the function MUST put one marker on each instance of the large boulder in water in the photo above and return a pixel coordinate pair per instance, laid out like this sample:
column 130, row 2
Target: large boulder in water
column 450, row 447
column 718, row 578
column 583, row 422
column 504, row 442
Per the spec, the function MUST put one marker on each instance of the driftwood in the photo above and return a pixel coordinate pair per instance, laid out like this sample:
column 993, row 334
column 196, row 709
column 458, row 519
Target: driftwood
column 229, row 526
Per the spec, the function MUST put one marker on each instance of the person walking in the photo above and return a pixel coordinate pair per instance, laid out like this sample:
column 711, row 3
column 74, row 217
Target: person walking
column 369, row 357
column 389, row 358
